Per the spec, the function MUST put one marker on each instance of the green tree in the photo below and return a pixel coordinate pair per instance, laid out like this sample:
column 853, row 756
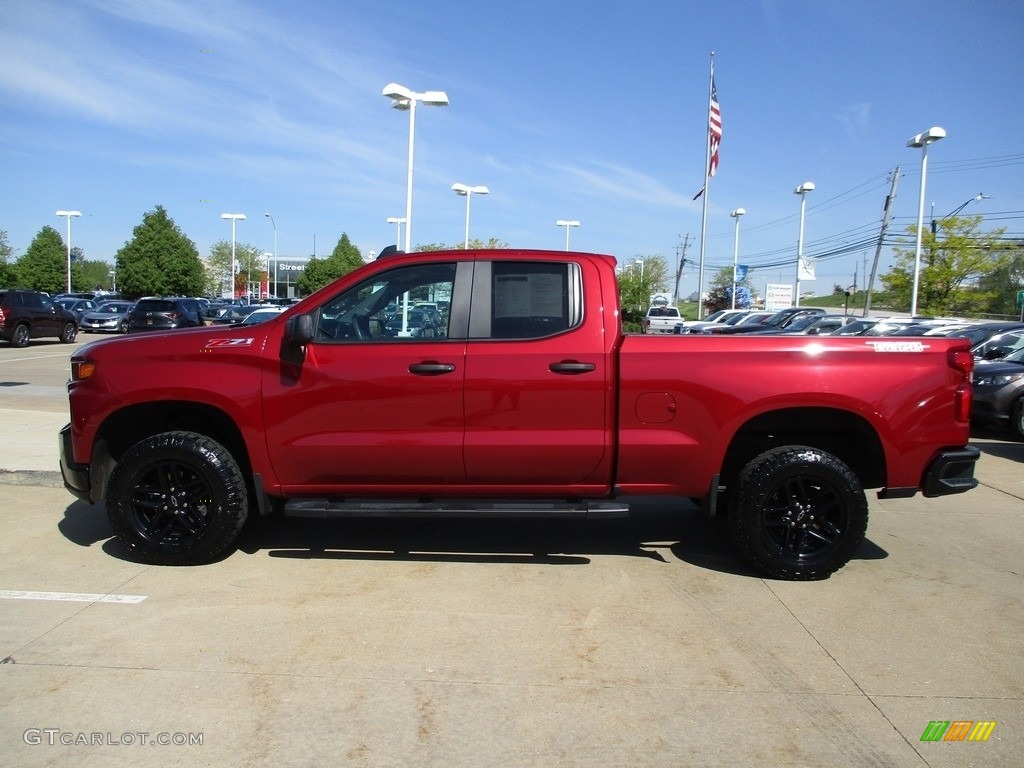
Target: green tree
column 953, row 259
column 319, row 272
column 250, row 266
column 90, row 275
column 43, row 267
column 159, row 260
column 720, row 291
column 475, row 243
column 638, row 280
column 1005, row 281
column 6, row 268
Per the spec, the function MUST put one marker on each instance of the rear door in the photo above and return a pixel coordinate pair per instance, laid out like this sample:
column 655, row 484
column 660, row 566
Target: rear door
column 538, row 381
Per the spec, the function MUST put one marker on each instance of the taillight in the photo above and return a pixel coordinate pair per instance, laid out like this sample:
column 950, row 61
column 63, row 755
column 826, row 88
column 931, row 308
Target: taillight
column 2, row 318
column 963, row 361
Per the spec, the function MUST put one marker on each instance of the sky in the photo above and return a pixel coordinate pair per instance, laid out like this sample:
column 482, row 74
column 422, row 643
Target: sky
column 564, row 109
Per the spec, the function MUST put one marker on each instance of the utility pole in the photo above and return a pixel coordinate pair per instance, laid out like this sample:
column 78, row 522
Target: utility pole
column 886, row 218
column 680, row 263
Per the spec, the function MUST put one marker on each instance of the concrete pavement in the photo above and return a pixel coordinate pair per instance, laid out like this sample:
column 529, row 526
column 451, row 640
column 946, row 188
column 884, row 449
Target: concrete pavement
column 503, row 643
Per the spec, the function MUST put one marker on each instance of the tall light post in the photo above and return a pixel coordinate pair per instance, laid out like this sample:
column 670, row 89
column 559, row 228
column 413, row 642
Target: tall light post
column 234, row 217
column 398, row 221
column 274, row 225
column 568, row 224
column 736, row 252
column 921, row 141
column 802, row 190
column 403, row 98
column 467, row 191
column 69, row 215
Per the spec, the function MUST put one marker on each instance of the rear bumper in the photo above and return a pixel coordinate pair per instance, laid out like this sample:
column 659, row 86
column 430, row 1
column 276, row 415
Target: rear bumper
column 950, row 472
column 76, row 476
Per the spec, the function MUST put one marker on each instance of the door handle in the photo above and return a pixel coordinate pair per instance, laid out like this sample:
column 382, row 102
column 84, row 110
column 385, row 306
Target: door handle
column 571, row 367
column 431, row 368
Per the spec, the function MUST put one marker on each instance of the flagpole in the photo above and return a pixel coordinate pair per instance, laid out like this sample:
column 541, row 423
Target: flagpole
column 704, row 206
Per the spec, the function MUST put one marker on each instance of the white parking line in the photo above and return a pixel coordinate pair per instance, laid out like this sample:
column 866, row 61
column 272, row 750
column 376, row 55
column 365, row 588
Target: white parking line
column 74, row 597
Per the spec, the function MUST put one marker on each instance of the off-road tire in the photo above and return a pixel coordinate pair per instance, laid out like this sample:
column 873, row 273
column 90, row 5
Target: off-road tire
column 177, row 498
column 797, row 513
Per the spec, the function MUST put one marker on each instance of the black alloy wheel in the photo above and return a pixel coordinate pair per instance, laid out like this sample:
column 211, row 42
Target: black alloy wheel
column 177, row 498
column 798, row 513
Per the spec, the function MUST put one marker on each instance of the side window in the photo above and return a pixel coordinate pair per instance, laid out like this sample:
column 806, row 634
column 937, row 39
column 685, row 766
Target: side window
column 403, row 304
column 530, row 300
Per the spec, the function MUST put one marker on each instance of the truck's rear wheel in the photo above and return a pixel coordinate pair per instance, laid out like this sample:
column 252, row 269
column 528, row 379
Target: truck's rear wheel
column 798, row 513
column 177, row 498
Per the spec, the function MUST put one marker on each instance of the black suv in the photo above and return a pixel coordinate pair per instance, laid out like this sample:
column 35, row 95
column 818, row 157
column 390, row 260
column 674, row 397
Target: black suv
column 26, row 315
column 156, row 313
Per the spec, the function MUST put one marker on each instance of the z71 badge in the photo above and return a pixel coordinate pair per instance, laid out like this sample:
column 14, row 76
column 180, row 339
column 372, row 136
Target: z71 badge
column 213, row 343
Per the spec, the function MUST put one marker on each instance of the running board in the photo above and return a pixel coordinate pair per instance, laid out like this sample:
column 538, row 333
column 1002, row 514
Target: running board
column 468, row 508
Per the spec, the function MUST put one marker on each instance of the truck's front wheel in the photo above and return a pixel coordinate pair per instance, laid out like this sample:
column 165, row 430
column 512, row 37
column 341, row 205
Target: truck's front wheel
column 177, row 498
column 798, row 513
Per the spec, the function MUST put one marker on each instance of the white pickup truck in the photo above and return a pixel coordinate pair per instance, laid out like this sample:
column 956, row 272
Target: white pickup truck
column 661, row 320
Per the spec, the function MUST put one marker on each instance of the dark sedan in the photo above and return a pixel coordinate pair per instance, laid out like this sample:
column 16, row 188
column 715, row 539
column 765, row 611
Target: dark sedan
column 999, row 392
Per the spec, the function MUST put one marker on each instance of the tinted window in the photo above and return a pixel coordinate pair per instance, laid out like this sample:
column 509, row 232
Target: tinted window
column 533, row 299
column 156, row 305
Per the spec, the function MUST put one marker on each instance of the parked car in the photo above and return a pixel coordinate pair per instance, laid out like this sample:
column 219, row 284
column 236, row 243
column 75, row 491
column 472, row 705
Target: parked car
column 999, row 346
column 232, row 315
column 977, row 332
column 262, row 314
column 774, row 322
column 156, row 313
column 421, row 324
column 26, row 315
column 108, row 317
column 77, row 307
column 999, row 392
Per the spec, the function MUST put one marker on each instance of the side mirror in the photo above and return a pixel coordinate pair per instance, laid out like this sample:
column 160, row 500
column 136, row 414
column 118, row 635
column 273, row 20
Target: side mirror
column 298, row 331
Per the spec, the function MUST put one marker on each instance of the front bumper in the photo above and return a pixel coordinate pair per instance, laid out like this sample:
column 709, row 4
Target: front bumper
column 76, row 476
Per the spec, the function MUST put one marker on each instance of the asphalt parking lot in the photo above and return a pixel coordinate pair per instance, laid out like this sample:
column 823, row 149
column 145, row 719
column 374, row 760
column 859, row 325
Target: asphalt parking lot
column 641, row 642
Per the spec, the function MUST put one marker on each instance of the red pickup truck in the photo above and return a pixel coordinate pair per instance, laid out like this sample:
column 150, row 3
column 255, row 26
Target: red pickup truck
column 525, row 398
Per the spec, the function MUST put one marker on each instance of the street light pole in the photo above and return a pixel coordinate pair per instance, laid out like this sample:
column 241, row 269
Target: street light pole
column 802, row 190
column 568, row 224
column 921, row 141
column 403, row 98
column 234, row 217
column 468, row 192
column 736, row 252
column 398, row 221
column 68, row 215
column 274, row 225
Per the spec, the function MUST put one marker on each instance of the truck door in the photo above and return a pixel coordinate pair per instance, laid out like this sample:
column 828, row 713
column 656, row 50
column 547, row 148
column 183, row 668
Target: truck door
column 537, row 380
column 377, row 398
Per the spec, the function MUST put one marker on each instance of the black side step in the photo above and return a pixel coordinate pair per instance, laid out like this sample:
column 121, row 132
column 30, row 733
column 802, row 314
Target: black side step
column 458, row 508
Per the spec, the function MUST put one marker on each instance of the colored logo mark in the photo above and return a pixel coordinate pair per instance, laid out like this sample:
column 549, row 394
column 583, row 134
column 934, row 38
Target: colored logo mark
column 958, row 730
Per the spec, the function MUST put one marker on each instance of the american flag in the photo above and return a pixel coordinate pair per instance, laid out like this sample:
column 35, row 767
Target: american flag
column 714, row 134
column 714, row 129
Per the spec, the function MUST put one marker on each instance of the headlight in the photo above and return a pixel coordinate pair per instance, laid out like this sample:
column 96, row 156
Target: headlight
column 997, row 379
